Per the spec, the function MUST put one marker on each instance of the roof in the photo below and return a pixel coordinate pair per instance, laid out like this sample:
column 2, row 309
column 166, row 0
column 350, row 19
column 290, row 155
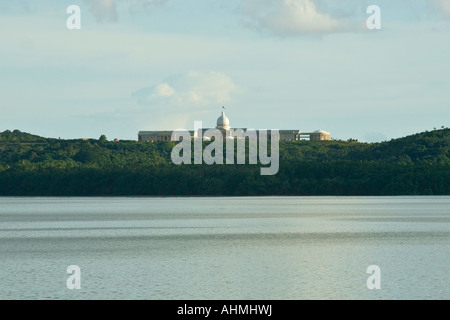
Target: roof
column 321, row 131
column 156, row 132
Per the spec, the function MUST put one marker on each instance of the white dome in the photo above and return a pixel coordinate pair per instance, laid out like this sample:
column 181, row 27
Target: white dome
column 321, row 131
column 223, row 121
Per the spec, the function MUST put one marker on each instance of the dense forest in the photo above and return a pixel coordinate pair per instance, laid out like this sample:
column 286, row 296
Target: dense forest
column 35, row 166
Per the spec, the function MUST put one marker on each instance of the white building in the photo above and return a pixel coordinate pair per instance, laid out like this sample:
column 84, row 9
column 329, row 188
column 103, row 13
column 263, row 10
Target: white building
column 223, row 124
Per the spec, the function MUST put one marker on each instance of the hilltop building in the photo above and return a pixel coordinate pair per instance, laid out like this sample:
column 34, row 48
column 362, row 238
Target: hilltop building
column 223, row 124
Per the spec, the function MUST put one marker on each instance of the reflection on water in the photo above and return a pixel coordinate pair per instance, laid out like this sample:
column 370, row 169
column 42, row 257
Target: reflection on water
column 225, row 248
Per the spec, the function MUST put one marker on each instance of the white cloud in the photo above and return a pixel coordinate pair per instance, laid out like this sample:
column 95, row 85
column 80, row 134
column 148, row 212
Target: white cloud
column 181, row 99
column 164, row 90
column 444, row 5
column 107, row 10
column 291, row 17
column 103, row 10
column 190, row 90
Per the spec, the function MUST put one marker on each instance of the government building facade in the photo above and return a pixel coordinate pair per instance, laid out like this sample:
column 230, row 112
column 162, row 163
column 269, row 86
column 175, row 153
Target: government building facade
column 223, row 124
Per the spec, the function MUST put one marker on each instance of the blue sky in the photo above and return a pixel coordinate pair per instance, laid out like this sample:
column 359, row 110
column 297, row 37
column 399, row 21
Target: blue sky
column 285, row 64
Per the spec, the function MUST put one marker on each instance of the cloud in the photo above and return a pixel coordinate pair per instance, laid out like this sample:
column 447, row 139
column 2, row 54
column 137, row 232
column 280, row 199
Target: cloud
column 107, row 10
column 190, row 90
column 103, row 10
column 291, row 17
column 138, row 5
column 444, row 5
column 181, row 99
column 164, row 90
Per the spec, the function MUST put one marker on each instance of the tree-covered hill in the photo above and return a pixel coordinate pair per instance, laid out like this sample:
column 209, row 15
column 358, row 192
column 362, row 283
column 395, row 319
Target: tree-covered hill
column 35, row 166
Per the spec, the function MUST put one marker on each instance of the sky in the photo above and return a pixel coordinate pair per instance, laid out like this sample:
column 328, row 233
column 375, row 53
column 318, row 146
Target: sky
column 274, row 64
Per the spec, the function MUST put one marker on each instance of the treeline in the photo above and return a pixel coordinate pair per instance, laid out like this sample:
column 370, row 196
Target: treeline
column 36, row 166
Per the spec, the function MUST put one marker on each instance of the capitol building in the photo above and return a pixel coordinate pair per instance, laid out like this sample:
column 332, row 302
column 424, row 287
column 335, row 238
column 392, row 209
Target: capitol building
column 223, row 124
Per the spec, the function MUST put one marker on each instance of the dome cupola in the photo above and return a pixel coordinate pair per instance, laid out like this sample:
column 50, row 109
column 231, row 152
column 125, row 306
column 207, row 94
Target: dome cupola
column 223, row 122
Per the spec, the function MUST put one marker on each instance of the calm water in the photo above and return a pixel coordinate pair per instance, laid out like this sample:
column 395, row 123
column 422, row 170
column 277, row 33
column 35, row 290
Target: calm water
column 225, row 248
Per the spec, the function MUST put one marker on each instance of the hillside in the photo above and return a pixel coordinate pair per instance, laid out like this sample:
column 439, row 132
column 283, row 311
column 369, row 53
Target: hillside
column 31, row 165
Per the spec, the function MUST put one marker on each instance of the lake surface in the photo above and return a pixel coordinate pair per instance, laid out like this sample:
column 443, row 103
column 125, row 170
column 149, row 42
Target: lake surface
column 272, row 248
